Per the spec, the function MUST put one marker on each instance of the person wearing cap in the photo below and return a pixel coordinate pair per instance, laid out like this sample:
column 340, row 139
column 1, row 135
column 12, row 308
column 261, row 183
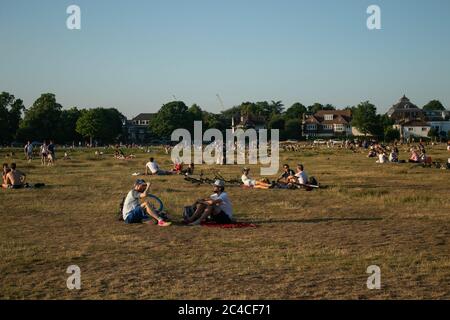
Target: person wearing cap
column 217, row 206
column 249, row 182
column 135, row 212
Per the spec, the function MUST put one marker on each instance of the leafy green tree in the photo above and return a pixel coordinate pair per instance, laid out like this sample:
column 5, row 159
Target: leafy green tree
column 173, row 115
column 391, row 134
column 293, row 129
column 41, row 121
column 100, row 123
column 10, row 116
column 196, row 112
column 365, row 118
column 433, row 133
column 278, row 122
column 296, row 111
column 434, row 105
column 315, row 107
column 68, row 125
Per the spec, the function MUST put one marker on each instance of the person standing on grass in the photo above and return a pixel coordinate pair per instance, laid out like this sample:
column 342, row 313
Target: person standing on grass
column 51, row 151
column 217, row 206
column 135, row 212
column 44, row 153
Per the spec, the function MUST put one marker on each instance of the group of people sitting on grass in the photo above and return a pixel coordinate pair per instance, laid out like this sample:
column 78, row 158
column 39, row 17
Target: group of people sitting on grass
column 13, row 178
column 385, row 154
column 287, row 180
column 216, row 207
column 153, row 168
column 119, row 155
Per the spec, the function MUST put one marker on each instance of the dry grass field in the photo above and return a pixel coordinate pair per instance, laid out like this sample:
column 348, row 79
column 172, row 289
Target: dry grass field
column 308, row 245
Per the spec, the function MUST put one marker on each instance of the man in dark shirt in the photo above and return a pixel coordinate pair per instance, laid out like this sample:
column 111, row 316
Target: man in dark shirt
column 287, row 172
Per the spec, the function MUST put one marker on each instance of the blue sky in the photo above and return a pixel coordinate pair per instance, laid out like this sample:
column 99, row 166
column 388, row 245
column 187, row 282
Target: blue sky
column 135, row 55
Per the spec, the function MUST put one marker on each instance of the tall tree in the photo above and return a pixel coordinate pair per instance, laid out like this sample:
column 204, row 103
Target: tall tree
column 68, row 125
column 434, row 105
column 173, row 115
column 315, row 107
column 293, row 129
column 295, row 111
column 10, row 116
column 365, row 118
column 41, row 121
column 100, row 123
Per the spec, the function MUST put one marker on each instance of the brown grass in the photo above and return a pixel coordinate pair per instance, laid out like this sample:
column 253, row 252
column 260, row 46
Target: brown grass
column 308, row 245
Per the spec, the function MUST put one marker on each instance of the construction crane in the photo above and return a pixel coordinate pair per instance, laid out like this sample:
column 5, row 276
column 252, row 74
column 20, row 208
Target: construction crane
column 221, row 102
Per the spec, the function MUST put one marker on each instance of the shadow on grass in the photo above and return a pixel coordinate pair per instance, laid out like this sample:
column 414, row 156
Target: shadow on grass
column 314, row 220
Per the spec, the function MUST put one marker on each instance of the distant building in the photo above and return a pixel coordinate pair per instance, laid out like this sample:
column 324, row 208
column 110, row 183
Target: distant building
column 413, row 129
column 248, row 122
column 137, row 129
column 328, row 123
column 413, row 122
column 404, row 110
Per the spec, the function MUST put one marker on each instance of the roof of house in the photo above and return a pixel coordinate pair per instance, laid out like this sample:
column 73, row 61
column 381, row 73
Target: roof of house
column 404, row 104
column 415, row 123
column 339, row 117
column 144, row 116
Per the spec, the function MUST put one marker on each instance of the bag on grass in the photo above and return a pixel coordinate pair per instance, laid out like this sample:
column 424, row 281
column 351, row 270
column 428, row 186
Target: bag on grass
column 313, row 181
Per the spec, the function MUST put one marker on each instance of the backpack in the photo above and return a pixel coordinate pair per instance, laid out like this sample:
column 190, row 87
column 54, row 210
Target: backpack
column 313, row 181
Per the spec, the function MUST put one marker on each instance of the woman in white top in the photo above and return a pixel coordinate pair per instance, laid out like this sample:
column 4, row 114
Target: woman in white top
column 249, row 182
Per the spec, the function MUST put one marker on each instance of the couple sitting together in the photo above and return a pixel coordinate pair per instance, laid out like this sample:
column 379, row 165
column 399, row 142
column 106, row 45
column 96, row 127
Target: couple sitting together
column 287, row 179
column 217, row 207
column 152, row 168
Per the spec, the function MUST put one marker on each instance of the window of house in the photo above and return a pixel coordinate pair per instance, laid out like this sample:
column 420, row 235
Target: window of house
column 424, row 129
column 339, row 127
column 328, row 117
column 311, row 127
column 327, row 126
column 410, row 129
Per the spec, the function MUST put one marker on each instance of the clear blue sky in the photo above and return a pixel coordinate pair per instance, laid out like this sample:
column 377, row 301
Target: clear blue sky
column 135, row 55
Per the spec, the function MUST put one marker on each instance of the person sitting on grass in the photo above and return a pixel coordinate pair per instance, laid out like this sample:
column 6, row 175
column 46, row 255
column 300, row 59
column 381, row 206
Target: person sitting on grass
column 414, row 158
column 135, row 212
column 152, row 168
column 249, row 182
column 14, row 179
column 393, row 156
column 381, row 157
column 302, row 177
column 217, row 206
column 286, row 175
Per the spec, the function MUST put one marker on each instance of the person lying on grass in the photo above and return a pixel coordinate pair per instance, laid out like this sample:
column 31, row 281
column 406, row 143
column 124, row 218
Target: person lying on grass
column 14, row 179
column 135, row 212
column 249, row 182
column 153, row 168
column 218, row 207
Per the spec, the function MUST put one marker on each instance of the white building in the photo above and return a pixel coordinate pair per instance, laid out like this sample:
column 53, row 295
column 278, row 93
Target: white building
column 413, row 129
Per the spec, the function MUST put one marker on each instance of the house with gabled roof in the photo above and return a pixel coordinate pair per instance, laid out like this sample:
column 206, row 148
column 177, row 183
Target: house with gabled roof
column 137, row 129
column 328, row 123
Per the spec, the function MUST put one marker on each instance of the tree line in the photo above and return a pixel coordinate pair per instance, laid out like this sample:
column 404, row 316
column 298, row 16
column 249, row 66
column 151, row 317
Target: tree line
column 46, row 119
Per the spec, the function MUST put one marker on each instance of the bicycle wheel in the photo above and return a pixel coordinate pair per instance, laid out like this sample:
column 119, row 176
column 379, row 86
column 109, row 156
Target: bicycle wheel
column 155, row 202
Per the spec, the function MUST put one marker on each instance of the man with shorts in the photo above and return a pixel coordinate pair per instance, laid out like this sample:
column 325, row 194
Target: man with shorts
column 135, row 212
column 217, row 206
